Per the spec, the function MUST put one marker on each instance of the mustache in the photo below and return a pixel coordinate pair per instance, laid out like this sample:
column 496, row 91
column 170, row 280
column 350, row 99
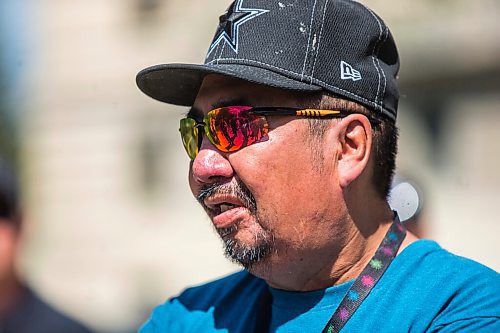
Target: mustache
column 235, row 188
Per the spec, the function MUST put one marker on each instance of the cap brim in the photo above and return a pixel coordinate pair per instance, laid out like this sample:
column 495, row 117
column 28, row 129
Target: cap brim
column 179, row 83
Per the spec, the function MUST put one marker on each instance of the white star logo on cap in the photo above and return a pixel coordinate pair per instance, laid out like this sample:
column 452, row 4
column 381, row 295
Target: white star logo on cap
column 230, row 22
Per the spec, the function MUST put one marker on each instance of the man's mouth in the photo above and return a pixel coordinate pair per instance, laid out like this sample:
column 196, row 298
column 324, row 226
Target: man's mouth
column 225, row 210
column 220, row 203
column 226, row 206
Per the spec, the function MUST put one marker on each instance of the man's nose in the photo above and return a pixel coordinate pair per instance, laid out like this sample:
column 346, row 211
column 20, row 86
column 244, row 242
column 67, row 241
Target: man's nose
column 210, row 165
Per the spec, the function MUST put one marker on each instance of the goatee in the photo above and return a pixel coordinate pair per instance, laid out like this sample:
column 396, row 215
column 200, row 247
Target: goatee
column 234, row 249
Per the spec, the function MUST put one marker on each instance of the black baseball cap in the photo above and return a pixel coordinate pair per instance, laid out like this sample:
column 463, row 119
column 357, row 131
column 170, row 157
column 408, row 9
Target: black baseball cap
column 337, row 46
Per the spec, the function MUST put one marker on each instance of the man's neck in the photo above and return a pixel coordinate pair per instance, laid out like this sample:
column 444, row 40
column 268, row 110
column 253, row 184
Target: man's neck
column 356, row 255
column 338, row 264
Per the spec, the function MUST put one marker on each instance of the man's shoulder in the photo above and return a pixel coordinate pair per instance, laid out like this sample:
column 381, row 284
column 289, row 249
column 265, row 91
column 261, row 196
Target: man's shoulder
column 429, row 257
column 426, row 263
column 455, row 292
column 210, row 306
column 227, row 288
column 428, row 289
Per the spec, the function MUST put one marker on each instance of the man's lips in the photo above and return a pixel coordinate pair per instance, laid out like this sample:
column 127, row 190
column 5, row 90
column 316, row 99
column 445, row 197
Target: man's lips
column 218, row 203
column 225, row 210
column 230, row 217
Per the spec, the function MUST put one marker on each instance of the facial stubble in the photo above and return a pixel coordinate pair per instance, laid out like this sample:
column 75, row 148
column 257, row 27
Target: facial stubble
column 235, row 249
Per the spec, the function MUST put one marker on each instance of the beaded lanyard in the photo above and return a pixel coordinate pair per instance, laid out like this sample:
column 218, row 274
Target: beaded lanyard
column 368, row 278
column 359, row 290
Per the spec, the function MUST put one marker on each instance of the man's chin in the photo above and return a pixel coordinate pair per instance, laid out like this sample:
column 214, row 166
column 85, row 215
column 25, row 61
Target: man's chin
column 247, row 255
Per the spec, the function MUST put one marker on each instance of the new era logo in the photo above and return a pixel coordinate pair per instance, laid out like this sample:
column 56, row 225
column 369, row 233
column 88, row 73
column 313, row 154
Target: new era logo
column 348, row 73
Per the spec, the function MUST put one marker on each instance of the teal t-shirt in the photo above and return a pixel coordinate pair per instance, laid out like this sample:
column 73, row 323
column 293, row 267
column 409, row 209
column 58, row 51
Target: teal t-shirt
column 425, row 289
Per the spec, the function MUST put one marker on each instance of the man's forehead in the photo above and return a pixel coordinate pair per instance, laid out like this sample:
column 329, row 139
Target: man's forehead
column 219, row 90
column 217, row 103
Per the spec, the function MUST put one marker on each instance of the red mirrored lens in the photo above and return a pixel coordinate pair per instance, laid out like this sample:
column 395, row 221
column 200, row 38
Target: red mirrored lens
column 232, row 128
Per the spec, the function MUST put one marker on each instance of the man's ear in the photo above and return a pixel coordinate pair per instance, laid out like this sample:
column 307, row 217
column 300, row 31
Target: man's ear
column 355, row 142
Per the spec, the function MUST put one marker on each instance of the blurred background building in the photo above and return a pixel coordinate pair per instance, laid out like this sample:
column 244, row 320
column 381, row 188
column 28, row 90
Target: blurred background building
column 111, row 227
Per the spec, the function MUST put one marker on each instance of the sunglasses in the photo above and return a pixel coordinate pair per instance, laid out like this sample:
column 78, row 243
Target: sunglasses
column 232, row 128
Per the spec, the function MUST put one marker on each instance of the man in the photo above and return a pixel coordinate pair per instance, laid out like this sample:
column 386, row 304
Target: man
column 292, row 138
column 21, row 310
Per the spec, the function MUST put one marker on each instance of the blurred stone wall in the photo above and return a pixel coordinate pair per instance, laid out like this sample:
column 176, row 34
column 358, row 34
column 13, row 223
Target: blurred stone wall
column 112, row 228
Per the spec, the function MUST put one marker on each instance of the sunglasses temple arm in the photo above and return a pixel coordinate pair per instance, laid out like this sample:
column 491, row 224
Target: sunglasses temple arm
column 317, row 113
column 293, row 112
column 272, row 111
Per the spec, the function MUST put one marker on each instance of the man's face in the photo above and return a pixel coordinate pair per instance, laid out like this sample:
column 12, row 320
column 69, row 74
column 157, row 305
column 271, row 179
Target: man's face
column 270, row 204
